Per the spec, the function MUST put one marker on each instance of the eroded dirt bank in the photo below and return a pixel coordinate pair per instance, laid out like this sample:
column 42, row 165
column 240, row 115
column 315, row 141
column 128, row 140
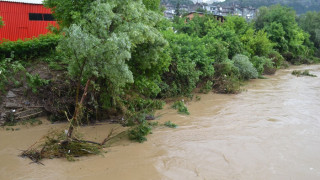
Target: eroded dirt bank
column 270, row 131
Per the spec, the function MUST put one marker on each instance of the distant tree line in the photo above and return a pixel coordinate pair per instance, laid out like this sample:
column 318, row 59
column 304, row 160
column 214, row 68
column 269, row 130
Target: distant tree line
column 300, row 6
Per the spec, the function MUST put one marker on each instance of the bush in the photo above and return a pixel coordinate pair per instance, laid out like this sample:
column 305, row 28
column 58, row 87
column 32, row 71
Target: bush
column 261, row 64
column 304, row 73
column 226, row 77
column 276, row 58
column 246, row 69
column 140, row 132
column 8, row 71
column 181, row 107
column 288, row 56
column 170, row 124
column 30, row 48
column 190, row 64
column 34, row 82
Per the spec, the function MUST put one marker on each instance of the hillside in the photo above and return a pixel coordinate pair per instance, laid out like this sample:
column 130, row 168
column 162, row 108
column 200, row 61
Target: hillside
column 301, row 6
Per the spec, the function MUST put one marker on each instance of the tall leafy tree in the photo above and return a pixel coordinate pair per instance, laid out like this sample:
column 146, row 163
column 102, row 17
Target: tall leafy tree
column 152, row 4
column 69, row 12
column 310, row 22
column 103, row 43
column 280, row 24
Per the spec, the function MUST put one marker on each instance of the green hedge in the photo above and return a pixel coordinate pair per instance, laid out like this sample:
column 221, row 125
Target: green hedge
column 29, row 48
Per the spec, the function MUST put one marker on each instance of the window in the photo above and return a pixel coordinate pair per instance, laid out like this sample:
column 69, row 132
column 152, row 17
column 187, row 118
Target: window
column 40, row 17
column 48, row 17
column 35, row 17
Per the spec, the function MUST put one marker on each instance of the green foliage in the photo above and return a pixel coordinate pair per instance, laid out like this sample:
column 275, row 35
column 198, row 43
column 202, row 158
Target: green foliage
column 152, row 4
column 299, row 5
column 101, row 48
column 238, row 24
column 190, row 63
column 34, row 82
column 227, row 77
column 140, row 132
column 304, row 73
column 10, row 120
column 261, row 64
column 207, row 87
column 170, row 124
column 246, row 69
column 67, row 12
column 181, row 107
column 30, row 48
column 226, row 34
column 9, row 72
column 256, row 43
column 1, row 22
column 195, row 27
column 310, row 22
column 140, row 104
column 276, row 58
column 280, row 24
column 73, row 12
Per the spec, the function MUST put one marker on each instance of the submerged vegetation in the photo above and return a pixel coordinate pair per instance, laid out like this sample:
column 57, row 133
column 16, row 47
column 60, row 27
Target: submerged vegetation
column 119, row 60
column 302, row 73
column 170, row 124
column 181, row 107
column 55, row 145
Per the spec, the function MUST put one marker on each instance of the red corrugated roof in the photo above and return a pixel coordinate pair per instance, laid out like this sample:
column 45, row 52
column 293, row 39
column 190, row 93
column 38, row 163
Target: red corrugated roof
column 24, row 1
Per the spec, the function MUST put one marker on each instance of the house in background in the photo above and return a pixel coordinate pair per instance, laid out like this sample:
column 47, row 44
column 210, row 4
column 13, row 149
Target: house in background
column 23, row 19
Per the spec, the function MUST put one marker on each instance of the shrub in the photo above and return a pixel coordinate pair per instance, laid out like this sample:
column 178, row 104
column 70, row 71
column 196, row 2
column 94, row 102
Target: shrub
column 207, row 87
column 140, row 132
column 288, row 56
column 8, row 71
column 304, row 73
column 190, row 63
column 34, row 82
column 181, row 107
column 276, row 58
column 261, row 64
column 246, row 69
column 30, row 48
column 226, row 77
column 170, row 124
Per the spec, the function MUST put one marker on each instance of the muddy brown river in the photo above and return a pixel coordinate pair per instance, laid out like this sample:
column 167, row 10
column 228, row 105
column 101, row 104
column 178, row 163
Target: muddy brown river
column 270, row 131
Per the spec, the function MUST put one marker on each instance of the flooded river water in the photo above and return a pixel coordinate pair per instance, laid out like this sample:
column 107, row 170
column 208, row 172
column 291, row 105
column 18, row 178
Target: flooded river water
column 270, row 131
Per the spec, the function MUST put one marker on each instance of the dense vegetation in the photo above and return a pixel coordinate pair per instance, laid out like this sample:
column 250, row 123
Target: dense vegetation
column 124, row 57
column 310, row 23
column 300, row 6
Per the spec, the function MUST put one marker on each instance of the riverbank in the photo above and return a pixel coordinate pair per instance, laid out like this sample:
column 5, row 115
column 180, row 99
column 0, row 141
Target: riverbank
column 269, row 131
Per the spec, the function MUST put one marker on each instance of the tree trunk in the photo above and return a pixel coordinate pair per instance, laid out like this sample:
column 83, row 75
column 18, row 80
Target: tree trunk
column 78, row 110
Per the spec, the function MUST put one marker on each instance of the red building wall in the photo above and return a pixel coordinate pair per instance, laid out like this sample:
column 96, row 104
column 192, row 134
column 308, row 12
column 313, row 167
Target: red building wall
column 17, row 24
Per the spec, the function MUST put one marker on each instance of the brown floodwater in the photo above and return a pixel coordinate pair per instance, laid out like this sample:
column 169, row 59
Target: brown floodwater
column 269, row 131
